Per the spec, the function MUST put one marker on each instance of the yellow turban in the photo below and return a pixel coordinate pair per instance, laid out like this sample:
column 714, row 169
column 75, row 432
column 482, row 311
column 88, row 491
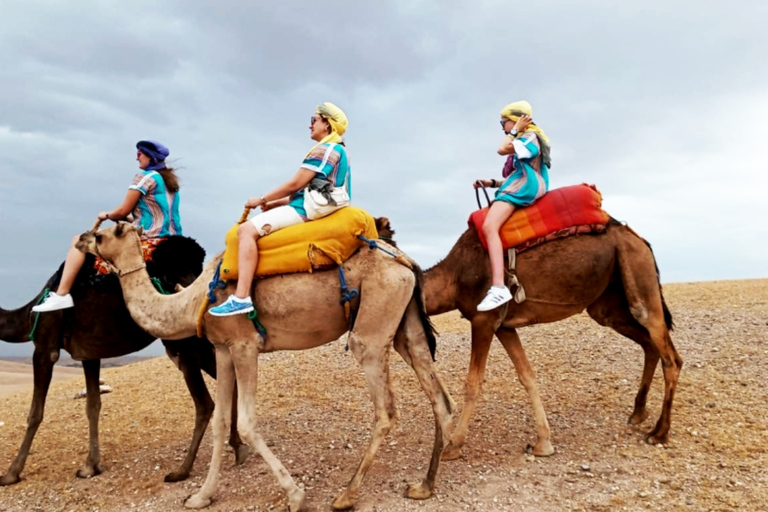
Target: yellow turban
column 335, row 116
column 513, row 111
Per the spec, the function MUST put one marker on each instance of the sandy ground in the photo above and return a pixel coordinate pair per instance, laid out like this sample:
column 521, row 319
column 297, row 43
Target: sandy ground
column 316, row 414
column 15, row 377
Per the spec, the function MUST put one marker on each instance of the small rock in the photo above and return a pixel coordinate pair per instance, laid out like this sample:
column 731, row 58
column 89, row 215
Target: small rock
column 584, row 467
column 530, row 458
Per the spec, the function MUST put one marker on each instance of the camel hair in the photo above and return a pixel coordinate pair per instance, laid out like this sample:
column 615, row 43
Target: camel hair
column 299, row 311
column 100, row 327
column 612, row 275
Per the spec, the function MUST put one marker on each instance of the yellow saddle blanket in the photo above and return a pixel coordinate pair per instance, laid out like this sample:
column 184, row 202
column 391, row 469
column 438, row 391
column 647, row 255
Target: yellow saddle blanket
column 313, row 245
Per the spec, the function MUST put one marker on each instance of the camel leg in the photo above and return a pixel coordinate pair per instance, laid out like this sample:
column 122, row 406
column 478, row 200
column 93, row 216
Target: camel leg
column 411, row 344
column 245, row 355
column 612, row 310
column 482, row 336
column 42, row 371
column 92, row 466
column 225, row 373
column 203, row 410
column 511, row 342
column 373, row 355
column 242, row 450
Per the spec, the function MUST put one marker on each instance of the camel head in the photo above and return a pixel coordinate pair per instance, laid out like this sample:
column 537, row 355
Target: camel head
column 119, row 245
column 385, row 230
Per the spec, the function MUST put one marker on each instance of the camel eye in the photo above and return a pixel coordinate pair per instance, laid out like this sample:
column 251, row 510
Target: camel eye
column 98, row 238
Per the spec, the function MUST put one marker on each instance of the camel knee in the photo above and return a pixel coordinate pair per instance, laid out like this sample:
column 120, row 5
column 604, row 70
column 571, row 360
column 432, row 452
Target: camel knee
column 640, row 312
column 35, row 418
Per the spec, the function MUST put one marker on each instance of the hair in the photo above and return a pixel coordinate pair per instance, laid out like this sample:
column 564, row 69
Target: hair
column 170, row 179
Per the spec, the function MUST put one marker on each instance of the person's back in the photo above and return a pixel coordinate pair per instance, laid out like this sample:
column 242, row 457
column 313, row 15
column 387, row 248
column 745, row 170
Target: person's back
column 157, row 211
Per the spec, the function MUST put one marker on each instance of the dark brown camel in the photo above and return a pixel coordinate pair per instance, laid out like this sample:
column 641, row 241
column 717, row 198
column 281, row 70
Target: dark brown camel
column 100, row 327
column 612, row 275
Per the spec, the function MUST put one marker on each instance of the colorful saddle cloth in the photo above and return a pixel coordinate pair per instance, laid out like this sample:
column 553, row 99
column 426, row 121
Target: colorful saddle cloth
column 148, row 247
column 313, row 245
column 561, row 212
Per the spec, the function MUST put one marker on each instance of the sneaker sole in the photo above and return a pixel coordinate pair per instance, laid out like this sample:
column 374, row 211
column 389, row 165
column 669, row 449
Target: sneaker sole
column 233, row 313
column 47, row 310
column 494, row 307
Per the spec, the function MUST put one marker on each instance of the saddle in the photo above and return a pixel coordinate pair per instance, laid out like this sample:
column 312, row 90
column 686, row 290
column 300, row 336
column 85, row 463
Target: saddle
column 562, row 212
column 319, row 244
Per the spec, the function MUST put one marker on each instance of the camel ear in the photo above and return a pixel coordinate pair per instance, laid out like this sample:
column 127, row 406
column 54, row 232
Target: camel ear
column 139, row 230
column 119, row 229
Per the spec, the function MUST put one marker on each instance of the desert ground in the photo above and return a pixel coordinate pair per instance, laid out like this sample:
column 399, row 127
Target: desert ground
column 316, row 415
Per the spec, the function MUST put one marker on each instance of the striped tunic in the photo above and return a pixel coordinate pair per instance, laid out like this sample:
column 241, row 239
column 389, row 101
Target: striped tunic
column 530, row 178
column 157, row 211
column 328, row 161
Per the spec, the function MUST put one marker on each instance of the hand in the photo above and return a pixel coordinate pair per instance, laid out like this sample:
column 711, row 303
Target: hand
column 523, row 123
column 103, row 215
column 482, row 183
column 253, row 202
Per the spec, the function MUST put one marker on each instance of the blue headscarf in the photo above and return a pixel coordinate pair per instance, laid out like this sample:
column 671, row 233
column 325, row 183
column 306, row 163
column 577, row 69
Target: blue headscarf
column 156, row 152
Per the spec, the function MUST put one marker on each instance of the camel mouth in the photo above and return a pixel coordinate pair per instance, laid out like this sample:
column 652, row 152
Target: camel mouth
column 84, row 243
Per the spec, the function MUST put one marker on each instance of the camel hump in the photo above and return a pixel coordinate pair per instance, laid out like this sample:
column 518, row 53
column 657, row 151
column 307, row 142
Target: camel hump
column 177, row 260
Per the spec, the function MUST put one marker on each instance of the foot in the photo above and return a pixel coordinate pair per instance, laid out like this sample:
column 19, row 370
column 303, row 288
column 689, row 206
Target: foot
column 54, row 302
column 232, row 306
column 496, row 296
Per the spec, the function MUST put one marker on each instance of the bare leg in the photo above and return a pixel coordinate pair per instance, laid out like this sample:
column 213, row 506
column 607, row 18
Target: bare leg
column 92, row 466
column 43, row 371
column 245, row 355
column 525, row 373
column 225, row 374
column 373, row 356
column 498, row 214
column 247, row 258
column 482, row 336
column 72, row 265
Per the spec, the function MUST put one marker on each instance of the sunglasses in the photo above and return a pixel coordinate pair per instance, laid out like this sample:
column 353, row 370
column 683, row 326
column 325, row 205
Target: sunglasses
column 313, row 119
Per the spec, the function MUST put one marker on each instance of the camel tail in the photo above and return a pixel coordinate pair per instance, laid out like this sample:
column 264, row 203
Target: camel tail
column 426, row 323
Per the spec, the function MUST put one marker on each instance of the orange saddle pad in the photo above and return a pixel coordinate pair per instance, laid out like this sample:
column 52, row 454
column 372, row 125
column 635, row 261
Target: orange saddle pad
column 561, row 208
column 305, row 247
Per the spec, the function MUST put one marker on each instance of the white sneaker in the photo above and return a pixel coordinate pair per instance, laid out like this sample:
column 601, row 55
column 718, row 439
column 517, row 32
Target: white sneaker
column 54, row 302
column 496, row 296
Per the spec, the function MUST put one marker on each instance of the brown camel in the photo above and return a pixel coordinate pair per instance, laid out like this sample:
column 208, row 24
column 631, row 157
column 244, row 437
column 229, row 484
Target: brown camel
column 299, row 311
column 612, row 275
column 100, row 327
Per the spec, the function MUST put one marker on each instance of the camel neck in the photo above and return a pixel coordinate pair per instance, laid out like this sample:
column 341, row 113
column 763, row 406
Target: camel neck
column 16, row 324
column 170, row 317
column 440, row 289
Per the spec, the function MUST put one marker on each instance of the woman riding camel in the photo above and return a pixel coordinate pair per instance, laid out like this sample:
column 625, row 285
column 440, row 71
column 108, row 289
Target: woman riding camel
column 284, row 205
column 152, row 198
column 526, row 179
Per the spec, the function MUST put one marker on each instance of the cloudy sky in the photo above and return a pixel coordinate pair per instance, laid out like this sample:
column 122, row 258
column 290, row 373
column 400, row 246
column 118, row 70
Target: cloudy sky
column 661, row 104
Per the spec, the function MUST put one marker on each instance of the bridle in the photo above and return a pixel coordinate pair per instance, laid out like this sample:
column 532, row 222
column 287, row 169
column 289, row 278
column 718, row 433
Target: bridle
column 120, row 273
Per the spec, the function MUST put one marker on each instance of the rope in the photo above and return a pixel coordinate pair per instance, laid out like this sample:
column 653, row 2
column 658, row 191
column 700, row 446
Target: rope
column 346, row 296
column 159, row 286
column 215, row 283
column 253, row 317
column 37, row 315
column 400, row 258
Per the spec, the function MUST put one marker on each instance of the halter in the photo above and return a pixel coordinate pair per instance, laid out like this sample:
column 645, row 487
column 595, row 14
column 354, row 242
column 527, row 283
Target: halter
column 114, row 269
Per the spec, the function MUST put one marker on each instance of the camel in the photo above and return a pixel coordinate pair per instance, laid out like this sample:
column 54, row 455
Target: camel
column 612, row 275
column 100, row 327
column 299, row 311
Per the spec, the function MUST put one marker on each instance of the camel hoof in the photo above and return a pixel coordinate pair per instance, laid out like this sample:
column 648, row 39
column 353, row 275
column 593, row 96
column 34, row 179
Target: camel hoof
column 296, row 499
column 89, row 471
column 195, row 501
column 655, row 439
column 345, row 501
column 541, row 449
column 176, row 476
column 9, row 479
column 451, row 453
column 418, row 491
column 242, row 453
column 637, row 417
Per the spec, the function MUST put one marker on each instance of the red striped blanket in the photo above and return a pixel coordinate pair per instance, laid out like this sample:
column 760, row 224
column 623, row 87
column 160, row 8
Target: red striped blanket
column 567, row 210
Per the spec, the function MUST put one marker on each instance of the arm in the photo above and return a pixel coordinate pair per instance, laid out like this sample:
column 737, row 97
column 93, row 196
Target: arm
column 122, row 211
column 507, row 146
column 300, row 180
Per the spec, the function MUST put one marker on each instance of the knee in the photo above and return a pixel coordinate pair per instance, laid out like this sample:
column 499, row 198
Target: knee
column 247, row 230
column 75, row 239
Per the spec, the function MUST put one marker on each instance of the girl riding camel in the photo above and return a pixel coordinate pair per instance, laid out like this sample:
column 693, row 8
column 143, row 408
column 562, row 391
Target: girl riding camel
column 526, row 180
column 284, row 205
column 152, row 198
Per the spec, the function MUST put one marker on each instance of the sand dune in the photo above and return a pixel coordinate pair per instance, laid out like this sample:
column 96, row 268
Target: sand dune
column 15, row 377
